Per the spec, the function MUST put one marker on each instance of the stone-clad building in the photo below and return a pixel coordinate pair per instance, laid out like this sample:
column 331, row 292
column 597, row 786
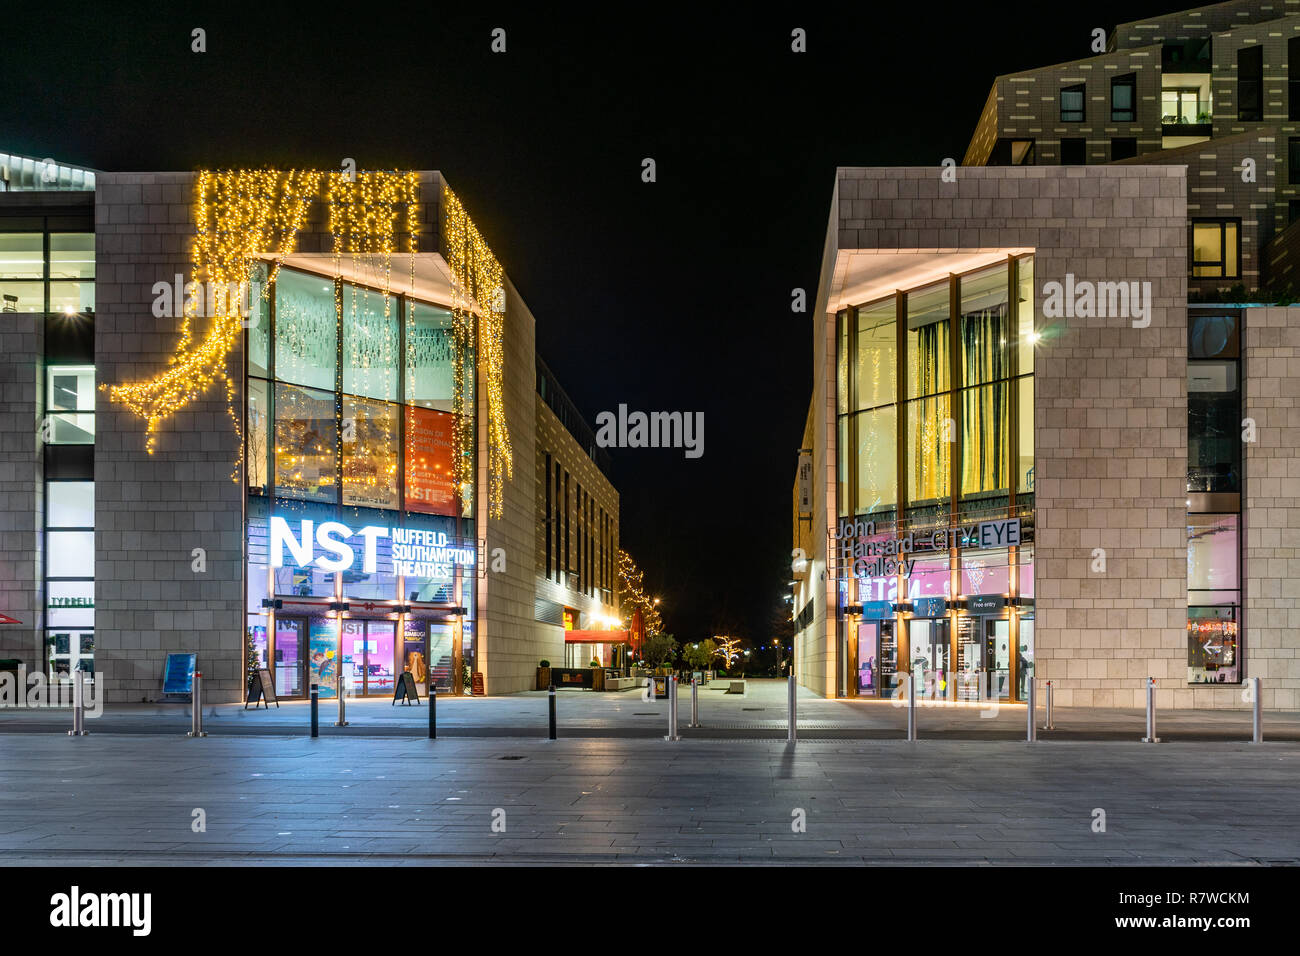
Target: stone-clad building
column 337, row 476
column 1032, row 458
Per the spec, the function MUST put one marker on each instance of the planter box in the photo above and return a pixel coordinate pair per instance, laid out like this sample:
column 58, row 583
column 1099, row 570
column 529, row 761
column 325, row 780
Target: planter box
column 543, row 678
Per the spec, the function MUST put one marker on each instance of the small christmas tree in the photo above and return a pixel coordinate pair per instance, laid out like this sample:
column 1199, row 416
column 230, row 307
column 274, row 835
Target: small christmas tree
column 251, row 661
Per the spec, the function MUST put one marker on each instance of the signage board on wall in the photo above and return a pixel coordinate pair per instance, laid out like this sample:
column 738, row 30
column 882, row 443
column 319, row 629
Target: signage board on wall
column 430, row 468
column 986, row 603
column 929, row 607
column 877, row 610
column 805, row 484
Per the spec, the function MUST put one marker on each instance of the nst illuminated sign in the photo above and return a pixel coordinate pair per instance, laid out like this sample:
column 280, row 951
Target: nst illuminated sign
column 416, row 553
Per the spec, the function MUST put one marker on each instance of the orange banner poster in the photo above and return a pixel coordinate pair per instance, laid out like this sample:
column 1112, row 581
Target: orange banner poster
column 638, row 631
column 430, row 438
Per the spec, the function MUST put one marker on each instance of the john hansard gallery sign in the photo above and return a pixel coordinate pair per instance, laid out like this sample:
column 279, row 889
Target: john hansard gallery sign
column 883, row 557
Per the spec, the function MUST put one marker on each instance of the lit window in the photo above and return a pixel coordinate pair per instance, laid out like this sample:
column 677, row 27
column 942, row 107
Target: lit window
column 70, row 403
column 1216, row 248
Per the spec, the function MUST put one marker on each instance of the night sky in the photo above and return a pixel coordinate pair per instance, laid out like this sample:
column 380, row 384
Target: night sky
column 666, row 296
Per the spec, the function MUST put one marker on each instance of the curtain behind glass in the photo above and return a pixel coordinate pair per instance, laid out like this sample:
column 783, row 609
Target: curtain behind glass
column 986, row 415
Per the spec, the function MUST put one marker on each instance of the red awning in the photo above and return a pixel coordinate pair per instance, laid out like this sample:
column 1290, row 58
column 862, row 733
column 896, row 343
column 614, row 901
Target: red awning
column 596, row 637
column 6, row 619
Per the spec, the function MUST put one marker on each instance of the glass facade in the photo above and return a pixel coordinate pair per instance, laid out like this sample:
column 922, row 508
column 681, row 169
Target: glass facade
column 47, row 272
column 350, row 431
column 935, row 431
column 70, row 405
column 1214, row 496
column 69, row 577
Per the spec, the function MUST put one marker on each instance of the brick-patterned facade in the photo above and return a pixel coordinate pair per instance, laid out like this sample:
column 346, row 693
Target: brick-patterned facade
column 1026, row 105
column 588, row 560
column 1271, row 562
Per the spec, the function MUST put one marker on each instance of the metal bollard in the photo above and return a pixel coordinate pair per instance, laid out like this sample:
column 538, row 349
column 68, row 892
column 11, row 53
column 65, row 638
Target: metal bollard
column 1031, row 728
column 792, row 693
column 433, row 710
column 1257, row 714
column 315, row 711
column 695, row 703
column 1151, row 737
column 1049, row 725
column 343, row 713
column 672, row 709
column 911, row 706
column 196, row 707
column 78, row 707
column 552, row 705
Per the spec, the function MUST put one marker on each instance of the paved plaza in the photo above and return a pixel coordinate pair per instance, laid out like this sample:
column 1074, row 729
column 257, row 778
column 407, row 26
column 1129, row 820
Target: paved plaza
column 108, row 799
column 611, row 789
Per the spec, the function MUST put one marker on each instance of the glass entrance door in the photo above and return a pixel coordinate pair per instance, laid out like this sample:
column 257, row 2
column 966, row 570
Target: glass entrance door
column 368, row 655
column 289, row 655
column 415, row 653
column 876, row 665
column 380, row 650
column 354, row 658
column 997, row 657
column 929, row 651
column 1025, row 658
column 440, row 656
column 856, row 653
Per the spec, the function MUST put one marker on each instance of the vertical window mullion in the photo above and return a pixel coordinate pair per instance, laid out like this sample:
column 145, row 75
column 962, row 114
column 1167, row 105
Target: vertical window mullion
column 955, row 394
column 900, row 405
column 851, row 406
column 403, row 307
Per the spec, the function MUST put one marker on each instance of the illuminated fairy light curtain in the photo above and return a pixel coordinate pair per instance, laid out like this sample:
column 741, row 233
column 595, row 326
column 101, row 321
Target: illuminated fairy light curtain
column 370, row 432
column 239, row 215
column 242, row 216
column 985, row 412
column 366, row 214
column 246, row 216
column 478, row 285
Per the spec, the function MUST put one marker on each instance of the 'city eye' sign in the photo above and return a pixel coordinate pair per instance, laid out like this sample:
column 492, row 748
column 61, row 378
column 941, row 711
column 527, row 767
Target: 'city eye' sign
column 889, row 556
column 416, row 553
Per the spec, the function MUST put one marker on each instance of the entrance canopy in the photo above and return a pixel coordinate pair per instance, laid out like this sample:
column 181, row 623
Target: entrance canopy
column 597, row 637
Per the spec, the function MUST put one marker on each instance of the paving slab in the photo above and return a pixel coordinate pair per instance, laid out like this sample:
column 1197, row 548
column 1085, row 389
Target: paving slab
column 130, row 798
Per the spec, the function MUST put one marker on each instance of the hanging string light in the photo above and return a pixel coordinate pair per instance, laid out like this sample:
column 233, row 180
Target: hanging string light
column 478, row 289
column 244, row 217
column 239, row 215
column 632, row 596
